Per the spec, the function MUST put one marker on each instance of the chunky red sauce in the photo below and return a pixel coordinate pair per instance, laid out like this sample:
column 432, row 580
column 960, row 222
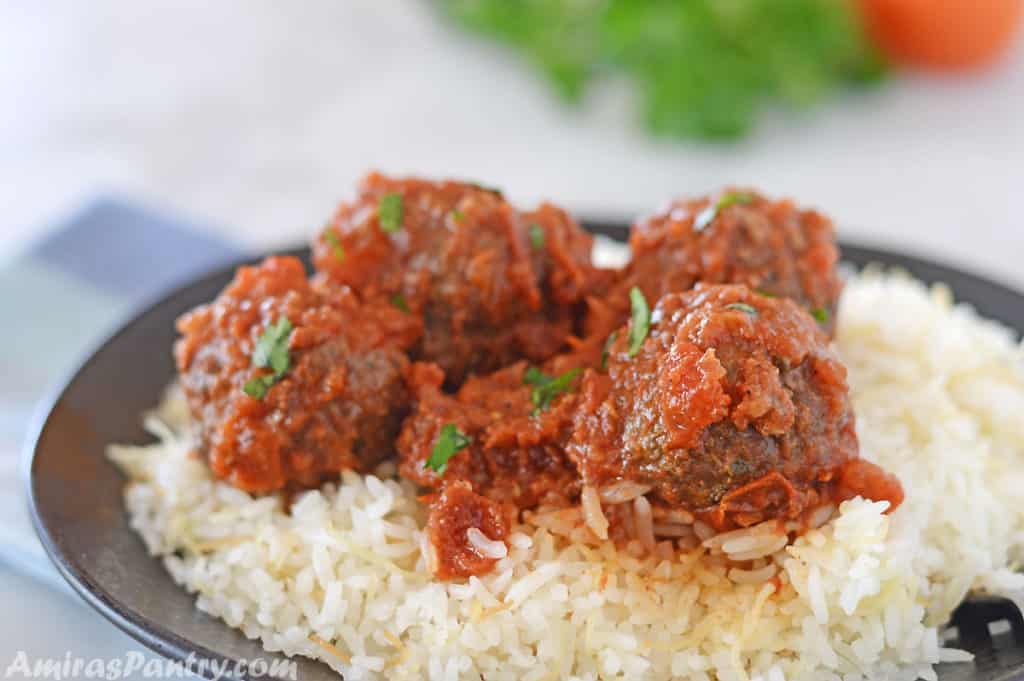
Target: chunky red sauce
column 440, row 308
column 453, row 513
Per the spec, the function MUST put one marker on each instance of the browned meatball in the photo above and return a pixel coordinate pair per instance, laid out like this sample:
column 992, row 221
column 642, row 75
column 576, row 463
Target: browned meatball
column 735, row 237
column 292, row 381
column 733, row 407
column 491, row 284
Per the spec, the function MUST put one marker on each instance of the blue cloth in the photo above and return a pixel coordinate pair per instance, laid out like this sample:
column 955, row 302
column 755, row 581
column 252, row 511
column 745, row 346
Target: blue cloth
column 59, row 300
column 128, row 251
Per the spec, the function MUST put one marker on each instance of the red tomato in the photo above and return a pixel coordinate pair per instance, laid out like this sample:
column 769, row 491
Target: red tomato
column 946, row 34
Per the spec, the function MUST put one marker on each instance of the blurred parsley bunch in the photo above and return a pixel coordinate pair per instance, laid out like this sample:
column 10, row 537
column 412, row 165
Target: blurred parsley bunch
column 702, row 67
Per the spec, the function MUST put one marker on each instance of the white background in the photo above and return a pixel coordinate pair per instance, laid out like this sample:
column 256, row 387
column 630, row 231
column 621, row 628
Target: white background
column 257, row 116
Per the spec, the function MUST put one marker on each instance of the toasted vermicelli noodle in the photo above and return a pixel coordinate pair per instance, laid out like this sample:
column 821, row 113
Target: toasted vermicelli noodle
column 345, row 576
column 673, row 515
column 673, row 530
column 755, row 576
column 622, row 491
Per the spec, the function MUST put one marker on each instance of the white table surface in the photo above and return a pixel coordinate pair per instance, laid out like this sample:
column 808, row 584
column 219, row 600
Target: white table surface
column 257, row 116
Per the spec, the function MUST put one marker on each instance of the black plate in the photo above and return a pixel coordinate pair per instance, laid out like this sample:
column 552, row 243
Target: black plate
column 78, row 512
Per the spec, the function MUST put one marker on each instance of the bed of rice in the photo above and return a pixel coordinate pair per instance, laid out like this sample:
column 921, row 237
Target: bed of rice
column 939, row 395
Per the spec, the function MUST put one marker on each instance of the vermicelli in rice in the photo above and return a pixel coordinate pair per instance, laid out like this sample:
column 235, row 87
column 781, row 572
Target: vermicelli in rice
column 623, row 491
column 344, row 577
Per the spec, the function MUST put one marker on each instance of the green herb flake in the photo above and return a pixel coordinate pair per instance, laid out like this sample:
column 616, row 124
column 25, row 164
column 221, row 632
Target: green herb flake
column 537, row 237
column 272, row 347
column 821, row 314
column 457, row 215
column 640, row 320
column 743, row 307
column 336, row 248
column 534, row 376
column 547, row 388
column 258, row 386
column 733, row 198
column 271, row 352
column 390, row 212
column 449, row 443
column 708, row 215
column 607, row 349
column 398, row 300
column 766, row 294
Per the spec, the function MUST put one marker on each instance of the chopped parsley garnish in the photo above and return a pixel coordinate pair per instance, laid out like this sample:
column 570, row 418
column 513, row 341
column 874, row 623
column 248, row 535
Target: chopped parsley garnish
column 732, row 198
column 766, row 294
column 708, row 215
column 820, row 314
column 743, row 307
column 607, row 349
column 534, row 376
column 547, row 388
column 332, row 240
column 698, row 68
column 390, row 212
column 640, row 320
column 257, row 386
column 449, row 443
column 457, row 215
column 271, row 352
column 537, row 237
column 272, row 347
column 398, row 300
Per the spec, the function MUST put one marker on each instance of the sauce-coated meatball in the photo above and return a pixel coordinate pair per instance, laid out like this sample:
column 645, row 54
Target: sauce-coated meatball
column 491, row 284
column 292, row 381
column 735, row 237
column 733, row 406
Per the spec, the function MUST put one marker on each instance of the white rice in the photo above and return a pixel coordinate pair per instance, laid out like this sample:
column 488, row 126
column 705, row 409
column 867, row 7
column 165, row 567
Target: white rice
column 644, row 522
column 344, row 577
column 488, row 548
column 594, row 518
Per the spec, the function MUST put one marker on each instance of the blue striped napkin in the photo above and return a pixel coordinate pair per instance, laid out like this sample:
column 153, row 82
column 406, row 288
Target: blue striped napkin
column 59, row 300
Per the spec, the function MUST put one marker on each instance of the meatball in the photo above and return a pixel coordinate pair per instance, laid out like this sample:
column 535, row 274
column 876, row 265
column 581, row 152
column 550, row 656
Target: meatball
column 733, row 407
column 514, row 442
column 491, row 450
column 561, row 252
column 491, row 284
column 736, row 237
column 292, row 381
